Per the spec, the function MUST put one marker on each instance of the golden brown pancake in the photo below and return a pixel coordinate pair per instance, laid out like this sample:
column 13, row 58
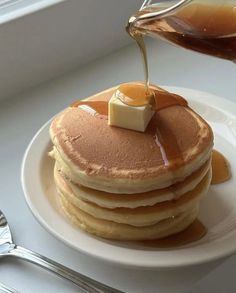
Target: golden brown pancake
column 117, row 231
column 111, row 200
column 140, row 216
column 111, row 159
column 128, row 185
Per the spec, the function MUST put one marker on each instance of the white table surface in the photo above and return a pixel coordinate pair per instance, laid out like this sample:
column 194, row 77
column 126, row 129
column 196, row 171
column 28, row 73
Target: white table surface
column 20, row 118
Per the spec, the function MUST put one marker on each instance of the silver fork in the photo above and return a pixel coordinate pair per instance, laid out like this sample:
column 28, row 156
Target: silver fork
column 8, row 248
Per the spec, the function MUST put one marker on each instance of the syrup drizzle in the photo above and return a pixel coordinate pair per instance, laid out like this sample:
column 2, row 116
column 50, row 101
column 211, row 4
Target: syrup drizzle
column 162, row 150
column 167, row 143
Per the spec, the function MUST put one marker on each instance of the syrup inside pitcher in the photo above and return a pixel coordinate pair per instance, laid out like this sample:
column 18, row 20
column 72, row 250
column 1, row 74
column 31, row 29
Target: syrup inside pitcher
column 206, row 26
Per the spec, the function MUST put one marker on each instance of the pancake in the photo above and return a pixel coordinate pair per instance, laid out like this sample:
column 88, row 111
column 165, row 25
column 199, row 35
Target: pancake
column 111, row 200
column 93, row 154
column 116, row 231
column 140, row 216
column 127, row 185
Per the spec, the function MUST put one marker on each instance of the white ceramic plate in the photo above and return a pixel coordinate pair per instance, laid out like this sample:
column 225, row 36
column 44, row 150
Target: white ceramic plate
column 218, row 209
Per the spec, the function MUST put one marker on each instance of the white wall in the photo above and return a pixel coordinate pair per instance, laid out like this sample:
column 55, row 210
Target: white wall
column 40, row 46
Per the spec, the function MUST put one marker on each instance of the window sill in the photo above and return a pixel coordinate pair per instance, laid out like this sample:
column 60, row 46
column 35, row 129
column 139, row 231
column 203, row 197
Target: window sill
column 39, row 42
column 11, row 10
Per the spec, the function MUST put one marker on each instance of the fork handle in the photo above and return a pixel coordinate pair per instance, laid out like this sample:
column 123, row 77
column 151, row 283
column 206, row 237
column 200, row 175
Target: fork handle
column 86, row 283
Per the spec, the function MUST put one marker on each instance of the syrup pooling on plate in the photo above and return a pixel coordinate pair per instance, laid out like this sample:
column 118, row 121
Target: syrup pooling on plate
column 220, row 168
column 194, row 232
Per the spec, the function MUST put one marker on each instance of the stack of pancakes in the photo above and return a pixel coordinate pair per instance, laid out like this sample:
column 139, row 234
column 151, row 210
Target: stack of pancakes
column 126, row 185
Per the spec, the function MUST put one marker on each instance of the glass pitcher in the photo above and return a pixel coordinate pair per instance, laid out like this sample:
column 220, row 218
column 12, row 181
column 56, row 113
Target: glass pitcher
column 206, row 26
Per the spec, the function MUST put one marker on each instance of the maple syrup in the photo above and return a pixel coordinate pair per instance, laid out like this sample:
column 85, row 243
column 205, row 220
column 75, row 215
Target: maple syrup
column 137, row 36
column 220, row 168
column 134, row 95
column 192, row 233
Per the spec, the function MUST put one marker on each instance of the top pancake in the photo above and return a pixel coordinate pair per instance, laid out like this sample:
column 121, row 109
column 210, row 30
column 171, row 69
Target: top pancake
column 177, row 141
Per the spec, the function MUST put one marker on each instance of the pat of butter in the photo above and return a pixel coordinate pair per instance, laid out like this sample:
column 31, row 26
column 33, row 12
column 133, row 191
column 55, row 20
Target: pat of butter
column 130, row 117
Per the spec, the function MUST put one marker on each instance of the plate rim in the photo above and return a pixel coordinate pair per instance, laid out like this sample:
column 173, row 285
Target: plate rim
column 212, row 100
